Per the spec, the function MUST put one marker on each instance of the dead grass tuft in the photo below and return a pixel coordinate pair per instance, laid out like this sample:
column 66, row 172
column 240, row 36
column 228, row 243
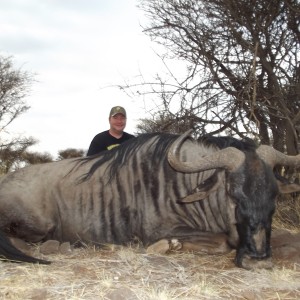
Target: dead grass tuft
column 287, row 213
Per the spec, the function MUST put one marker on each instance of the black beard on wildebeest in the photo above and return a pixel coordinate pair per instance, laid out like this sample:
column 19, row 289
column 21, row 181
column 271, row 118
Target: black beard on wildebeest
column 168, row 191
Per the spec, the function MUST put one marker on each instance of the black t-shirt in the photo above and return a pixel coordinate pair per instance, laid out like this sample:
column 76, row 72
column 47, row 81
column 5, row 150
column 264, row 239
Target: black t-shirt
column 105, row 141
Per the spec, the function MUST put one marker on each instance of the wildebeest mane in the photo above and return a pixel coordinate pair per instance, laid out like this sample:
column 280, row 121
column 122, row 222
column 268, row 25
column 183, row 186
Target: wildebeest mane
column 118, row 156
column 222, row 142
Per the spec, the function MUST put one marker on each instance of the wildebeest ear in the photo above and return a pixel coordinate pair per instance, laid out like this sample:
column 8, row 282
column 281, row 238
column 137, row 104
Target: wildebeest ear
column 204, row 189
column 285, row 188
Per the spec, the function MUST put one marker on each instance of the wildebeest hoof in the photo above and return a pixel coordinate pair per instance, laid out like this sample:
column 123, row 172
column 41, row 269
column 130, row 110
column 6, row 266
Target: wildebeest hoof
column 163, row 246
column 160, row 247
column 175, row 245
column 50, row 247
column 251, row 263
column 65, row 248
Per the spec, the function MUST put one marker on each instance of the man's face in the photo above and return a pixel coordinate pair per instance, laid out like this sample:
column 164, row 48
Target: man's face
column 117, row 122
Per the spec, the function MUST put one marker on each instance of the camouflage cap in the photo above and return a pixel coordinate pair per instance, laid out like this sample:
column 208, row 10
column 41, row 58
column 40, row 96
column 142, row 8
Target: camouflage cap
column 117, row 110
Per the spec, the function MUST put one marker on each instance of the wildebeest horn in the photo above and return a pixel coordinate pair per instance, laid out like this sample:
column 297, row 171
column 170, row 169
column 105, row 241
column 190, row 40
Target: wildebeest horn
column 274, row 157
column 228, row 158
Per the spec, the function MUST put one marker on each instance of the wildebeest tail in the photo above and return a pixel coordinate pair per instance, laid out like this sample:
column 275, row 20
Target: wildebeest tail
column 9, row 252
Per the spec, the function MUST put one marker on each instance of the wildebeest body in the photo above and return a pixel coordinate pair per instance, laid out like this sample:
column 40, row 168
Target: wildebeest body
column 133, row 192
column 53, row 201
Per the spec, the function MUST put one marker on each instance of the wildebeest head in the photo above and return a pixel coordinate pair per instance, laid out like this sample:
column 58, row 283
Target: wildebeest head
column 252, row 189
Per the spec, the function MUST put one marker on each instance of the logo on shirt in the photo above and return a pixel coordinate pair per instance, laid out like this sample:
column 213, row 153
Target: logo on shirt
column 112, row 146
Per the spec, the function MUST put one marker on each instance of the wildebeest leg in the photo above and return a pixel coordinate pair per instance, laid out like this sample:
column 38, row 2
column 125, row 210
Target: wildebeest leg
column 210, row 243
column 29, row 224
column 205, row 242
column 29, row 232
column 28, row 229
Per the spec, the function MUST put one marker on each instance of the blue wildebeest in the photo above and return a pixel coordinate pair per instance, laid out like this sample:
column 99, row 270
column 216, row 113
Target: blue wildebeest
column 162, row 189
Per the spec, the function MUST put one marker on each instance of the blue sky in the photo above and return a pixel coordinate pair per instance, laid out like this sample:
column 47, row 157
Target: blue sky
column 75, row 49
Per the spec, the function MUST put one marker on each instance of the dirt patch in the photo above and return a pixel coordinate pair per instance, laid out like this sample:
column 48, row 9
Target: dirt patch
column 286, row 247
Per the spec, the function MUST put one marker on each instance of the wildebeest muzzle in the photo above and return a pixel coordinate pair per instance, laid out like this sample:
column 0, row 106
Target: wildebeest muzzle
column 254, row 250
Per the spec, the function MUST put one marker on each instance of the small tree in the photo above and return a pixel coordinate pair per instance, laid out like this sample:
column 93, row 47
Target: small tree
column 14, row 86
column 70, row 153
column 164, row 122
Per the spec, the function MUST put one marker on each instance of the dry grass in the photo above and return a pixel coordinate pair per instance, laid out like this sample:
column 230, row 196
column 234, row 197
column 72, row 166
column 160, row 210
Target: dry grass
column 130, row 273
column 287, row 213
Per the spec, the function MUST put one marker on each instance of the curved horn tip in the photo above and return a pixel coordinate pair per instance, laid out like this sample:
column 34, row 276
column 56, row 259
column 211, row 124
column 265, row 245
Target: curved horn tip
column 274, row 157
column 188, row 132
